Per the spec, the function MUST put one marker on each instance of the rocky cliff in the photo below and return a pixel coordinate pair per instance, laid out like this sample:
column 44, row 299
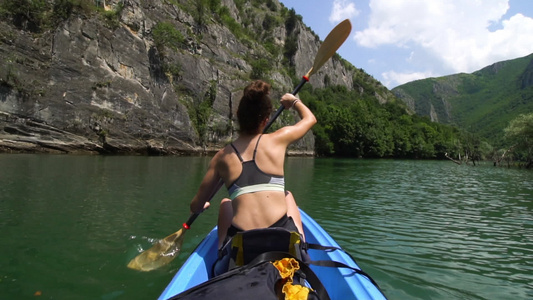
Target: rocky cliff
column 148, row 77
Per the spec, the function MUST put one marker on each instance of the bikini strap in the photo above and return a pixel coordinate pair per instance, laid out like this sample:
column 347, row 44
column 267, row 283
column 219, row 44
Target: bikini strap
column 237, row 152
column 257, row 144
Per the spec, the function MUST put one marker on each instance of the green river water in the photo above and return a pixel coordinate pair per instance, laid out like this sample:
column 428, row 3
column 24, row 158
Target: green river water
column 422, row 229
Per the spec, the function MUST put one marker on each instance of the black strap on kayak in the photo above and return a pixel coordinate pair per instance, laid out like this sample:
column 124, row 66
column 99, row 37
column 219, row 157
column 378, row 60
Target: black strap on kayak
column 336, row 264
column 310, row 276
column 306, row 246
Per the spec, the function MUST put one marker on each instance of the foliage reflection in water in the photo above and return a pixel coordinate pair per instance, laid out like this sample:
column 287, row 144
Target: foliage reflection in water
column 422, row 229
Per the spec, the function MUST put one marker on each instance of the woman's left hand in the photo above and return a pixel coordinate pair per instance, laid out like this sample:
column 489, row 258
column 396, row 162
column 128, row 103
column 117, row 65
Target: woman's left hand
column 288, row 100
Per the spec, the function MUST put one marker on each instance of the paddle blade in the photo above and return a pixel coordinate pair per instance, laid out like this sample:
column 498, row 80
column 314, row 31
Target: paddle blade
column 163, row 252
column 333, row 41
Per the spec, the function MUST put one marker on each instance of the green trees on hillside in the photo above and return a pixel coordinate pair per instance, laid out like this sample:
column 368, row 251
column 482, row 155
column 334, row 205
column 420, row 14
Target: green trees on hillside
column 26, row 14
column 39, row 15
column 519, row 134
column 358, row 126
column 166, row 35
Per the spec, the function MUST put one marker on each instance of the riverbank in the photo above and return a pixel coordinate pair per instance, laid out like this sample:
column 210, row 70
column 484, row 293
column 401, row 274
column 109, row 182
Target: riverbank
column 82, row 146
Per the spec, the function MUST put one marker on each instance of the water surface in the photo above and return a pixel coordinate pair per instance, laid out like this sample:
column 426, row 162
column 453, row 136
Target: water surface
column 422, row 229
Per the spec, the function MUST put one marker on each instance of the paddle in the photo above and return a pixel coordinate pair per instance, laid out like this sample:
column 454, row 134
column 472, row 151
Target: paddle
column 165, row 250
column 333, row 41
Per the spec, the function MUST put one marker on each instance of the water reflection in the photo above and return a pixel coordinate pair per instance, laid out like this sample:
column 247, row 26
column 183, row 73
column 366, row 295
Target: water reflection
column 431, row 230
column 422, row 229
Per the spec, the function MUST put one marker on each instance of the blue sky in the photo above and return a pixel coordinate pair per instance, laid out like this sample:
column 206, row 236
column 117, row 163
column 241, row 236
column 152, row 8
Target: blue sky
column 397, row 41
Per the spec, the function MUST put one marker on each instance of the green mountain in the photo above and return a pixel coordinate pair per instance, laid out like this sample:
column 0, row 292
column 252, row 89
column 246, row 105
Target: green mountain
column 482, row 103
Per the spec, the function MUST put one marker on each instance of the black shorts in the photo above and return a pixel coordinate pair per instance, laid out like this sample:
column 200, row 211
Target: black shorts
column 285, row 222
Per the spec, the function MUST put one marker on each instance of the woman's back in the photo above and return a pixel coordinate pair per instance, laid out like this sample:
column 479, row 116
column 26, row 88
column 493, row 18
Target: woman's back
column 251, row 157
column 259, row 196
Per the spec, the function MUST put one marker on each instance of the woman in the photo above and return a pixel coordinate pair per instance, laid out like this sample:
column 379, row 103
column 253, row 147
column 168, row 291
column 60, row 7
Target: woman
column 252, row 168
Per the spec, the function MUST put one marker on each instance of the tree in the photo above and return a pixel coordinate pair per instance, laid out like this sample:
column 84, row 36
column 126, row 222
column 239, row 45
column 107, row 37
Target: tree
column 260, row 68
column 26, row 14
column 166, row 35
column 520, row 134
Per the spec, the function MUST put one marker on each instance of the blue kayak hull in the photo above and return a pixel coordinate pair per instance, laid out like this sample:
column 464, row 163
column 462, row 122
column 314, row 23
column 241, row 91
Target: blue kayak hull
column 341, row 283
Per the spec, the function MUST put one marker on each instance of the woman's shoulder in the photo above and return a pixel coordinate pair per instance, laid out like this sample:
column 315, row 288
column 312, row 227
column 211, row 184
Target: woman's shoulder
column 282, row 135
column 223, row 151
column 273, row 143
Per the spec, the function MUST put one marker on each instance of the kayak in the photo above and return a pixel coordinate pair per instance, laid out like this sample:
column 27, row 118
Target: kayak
column 340, row 283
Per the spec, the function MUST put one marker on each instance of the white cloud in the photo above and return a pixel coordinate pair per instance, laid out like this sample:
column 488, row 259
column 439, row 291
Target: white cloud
column 393, row 78
column 456, row 32
column 342, row 9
